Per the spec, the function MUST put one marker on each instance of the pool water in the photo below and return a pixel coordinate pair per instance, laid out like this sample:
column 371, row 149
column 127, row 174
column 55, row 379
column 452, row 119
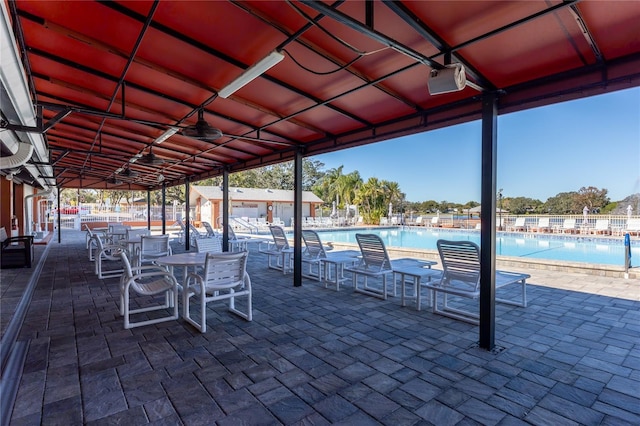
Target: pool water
column 594, row 250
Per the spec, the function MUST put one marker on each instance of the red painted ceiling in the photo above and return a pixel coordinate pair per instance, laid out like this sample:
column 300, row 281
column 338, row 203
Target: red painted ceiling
column 354, row 73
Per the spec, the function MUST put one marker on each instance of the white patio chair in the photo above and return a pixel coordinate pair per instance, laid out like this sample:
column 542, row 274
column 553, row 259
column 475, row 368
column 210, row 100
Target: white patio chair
column 374, row 263
column 150, row 280
column 106, row 253
column 209, row 245
column 224, row 277
column 151, row 248
column 461, row 277
column 136, row 233
column 117, row 232
column 90, row 243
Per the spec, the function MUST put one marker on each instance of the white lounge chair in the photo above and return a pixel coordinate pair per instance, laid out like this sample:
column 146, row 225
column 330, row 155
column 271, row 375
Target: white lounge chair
column 374, row 263
column 633, row 227
column 568, row 227
column 461, row 277
column 435, row 222
column 602, row 227
column 320, row 259
column 210, row 231
column 519, row 225
column 543, row 225
column 279, row 250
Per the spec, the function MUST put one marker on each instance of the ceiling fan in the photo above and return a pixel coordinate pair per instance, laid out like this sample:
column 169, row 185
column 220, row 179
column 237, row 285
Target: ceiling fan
column 202, row 130
column 149, row 158
column 129, row 173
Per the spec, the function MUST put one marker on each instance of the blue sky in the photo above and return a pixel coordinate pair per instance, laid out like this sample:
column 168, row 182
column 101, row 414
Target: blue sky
column 541, row 152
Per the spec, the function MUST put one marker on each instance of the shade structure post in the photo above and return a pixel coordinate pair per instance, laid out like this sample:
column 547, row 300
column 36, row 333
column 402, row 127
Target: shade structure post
column 187, row 236
column 488, row 221
column 163, row 210
column 297, row 222
column 225, row 210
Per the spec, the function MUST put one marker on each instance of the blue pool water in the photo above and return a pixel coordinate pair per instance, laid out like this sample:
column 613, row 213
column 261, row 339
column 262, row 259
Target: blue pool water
column 594, row 250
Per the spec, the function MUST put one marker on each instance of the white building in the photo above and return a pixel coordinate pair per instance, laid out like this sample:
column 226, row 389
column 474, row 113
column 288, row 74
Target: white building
column 249, row 203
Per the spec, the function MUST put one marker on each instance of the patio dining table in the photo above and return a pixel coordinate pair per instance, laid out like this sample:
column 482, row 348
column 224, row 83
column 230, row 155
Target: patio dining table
column 185, row 260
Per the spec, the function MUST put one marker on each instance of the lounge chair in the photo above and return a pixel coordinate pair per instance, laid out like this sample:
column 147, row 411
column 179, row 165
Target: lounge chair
column 276, row 221
column 633, row 227
column 519, row 225
column 236, row 243
column 461, row 277
column 568, row 227
column 602, row 227
column 279, row 250
column 543, row 225
column 321, row 260
column 195, row 234
column 210, row 231
column 435, row 222
column 374, row 263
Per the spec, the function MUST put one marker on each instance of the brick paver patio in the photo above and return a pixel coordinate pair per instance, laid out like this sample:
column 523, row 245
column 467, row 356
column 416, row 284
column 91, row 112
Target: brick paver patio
column 316, row 356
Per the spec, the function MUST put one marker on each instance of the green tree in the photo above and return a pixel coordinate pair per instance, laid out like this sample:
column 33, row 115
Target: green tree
column 562, row 203
column 371, row 200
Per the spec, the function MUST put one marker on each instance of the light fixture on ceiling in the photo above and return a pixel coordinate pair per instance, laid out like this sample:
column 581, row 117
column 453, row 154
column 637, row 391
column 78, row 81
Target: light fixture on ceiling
column 202, row 130
column 149, row 159
column 166, row 135
column 451, row 78
column 251, row 73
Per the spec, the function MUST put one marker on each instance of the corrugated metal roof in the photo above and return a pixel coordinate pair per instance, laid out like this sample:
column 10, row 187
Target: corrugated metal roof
column 111, row 77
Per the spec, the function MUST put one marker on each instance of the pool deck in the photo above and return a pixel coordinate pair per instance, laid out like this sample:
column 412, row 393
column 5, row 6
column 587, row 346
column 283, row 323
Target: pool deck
column 316, row 356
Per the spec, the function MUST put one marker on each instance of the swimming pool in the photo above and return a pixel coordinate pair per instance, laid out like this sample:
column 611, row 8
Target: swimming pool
column 593, row 250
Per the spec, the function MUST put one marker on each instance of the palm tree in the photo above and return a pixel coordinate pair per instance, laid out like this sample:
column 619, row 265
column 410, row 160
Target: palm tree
column 371, row 198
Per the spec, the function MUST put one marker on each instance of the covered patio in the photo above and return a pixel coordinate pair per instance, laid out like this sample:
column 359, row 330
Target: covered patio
column 145, row 95
column 316, row 356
